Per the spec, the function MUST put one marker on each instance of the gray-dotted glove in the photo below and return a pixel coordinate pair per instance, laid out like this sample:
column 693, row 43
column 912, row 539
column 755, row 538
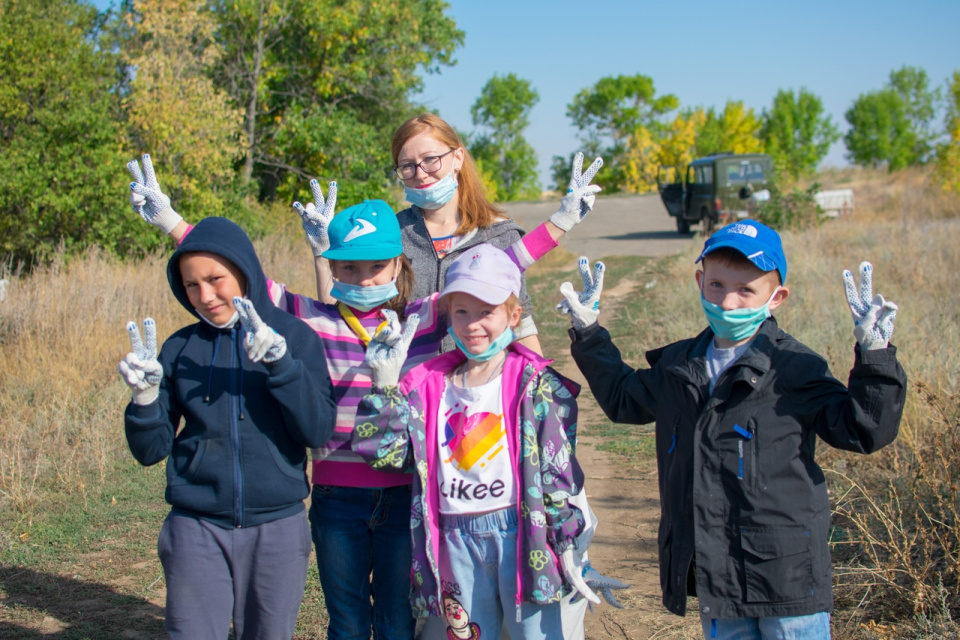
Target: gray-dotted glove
column 140, row 368
column 583, row 307
column 602, row 584
column 580, row 195
column 387, row 350
column 148, row 200
column 261, row 341
column 574, row 574
column 872, row 315
column 316, row 216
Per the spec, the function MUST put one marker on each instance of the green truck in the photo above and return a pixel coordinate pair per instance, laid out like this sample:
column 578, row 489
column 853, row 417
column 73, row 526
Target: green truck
column 722, row 186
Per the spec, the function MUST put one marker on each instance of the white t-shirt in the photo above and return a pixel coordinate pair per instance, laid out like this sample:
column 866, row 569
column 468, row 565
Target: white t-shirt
column 475, row 474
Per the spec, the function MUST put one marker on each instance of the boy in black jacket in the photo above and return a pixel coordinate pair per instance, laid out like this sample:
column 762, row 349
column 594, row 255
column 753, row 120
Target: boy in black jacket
column 744, row 507
column 251, row 395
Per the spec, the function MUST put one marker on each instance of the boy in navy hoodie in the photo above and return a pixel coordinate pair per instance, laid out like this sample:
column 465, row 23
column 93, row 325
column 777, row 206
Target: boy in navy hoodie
column 234, row 401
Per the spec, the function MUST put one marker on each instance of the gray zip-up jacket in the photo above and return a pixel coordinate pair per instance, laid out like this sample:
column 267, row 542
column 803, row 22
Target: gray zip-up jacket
column 744, row 511
column 431, row 270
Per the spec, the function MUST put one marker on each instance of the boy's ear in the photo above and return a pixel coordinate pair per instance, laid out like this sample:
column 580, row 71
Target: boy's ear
column 698, row 276
column 779, row 297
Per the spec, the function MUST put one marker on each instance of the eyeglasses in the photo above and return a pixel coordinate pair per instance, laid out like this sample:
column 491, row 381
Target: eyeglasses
column 428, row 164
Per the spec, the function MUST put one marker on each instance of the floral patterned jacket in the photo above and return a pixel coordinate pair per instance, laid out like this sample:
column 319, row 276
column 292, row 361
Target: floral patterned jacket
column 396, row 430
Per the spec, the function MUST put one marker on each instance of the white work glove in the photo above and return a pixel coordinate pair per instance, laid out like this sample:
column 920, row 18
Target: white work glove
column 580, row 194
column 872, row 315
column 603, row 584
column 316, row 216
column 146, row 198
column 140, row 368
column 387, row 350
column 261, row 341
column 573, row 572
column 583, row 307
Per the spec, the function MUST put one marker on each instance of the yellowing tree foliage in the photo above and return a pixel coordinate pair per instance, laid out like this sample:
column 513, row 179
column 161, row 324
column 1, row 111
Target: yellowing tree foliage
column 678, row 148
column 640, row 162
column 175, row 112
column 740, row 129
column 948, row 154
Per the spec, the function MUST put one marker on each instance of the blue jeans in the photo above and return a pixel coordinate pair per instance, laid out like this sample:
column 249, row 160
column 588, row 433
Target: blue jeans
column 815, row 626
column 478, row 570
column 357, row 531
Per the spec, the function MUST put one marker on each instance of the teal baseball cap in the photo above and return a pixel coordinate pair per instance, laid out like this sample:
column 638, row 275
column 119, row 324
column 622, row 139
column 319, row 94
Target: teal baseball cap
column 365, row 231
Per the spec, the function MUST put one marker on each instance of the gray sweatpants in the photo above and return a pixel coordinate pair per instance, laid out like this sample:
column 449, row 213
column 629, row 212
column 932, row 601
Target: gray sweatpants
column 255, row 575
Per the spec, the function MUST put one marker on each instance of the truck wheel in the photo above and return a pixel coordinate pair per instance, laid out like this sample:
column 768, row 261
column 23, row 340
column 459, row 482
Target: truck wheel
column 683, row 226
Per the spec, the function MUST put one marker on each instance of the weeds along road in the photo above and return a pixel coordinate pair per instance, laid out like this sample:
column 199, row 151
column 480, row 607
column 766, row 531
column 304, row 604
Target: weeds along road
column 617, row 226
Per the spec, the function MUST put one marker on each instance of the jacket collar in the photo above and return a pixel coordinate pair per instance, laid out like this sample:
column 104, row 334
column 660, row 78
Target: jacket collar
column 447, row 362
column 691, row 366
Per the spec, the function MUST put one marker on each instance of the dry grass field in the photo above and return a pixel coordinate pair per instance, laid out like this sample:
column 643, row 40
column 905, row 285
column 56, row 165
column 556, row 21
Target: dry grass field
column 79, row 518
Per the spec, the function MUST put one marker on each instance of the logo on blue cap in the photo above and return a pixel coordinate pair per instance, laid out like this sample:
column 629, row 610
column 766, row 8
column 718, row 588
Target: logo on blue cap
column 757, row 242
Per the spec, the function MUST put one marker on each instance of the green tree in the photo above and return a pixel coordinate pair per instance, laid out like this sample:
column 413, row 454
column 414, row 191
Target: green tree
column 735, row 129
column 892, row 126
column 61, row 147
column 323, row 84
column 609, row 114
column 913, row 87
column 797, row 132
column 175, row 112
column 880, row 132
column 504, row 109
column 709, row 133
column 948, row 153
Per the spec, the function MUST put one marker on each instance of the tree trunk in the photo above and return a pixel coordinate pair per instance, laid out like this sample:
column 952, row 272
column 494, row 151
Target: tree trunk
column 252, row 101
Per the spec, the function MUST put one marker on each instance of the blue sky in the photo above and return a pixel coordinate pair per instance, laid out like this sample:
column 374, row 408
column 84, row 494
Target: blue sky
column 704, row 52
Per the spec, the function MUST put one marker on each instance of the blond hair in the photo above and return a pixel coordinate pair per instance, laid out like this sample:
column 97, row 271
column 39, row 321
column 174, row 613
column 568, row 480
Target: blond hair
column 474, row 207
column 510, row 305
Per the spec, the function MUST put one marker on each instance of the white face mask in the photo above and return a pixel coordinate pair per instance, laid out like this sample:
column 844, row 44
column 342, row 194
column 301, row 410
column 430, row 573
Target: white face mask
column 436, row 195
column 226, row 325
column 366, row 298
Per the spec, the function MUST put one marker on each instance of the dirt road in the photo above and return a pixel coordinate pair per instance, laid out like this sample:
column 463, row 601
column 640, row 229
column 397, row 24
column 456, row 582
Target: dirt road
column 624, row 498
column 618, row 225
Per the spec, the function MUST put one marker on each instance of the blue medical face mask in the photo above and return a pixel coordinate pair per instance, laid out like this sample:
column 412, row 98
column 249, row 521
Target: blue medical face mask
column 365, row 298
column 434, row 196
column 495, row 347
column 735, row 324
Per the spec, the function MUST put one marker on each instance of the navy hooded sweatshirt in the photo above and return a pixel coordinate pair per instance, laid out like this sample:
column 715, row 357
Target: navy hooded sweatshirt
column 239, row 459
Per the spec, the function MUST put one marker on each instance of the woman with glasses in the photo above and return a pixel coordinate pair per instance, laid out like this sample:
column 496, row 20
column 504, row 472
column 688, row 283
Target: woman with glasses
column 450, row 211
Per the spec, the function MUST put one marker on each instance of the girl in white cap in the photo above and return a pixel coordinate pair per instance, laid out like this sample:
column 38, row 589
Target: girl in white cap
column 489, row 429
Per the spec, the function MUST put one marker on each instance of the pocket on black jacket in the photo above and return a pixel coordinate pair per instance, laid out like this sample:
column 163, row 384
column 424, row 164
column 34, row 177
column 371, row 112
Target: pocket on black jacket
column 777, row 565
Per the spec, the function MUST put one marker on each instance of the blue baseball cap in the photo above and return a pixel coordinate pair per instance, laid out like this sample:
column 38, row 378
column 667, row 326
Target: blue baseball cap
column 365, row 231
column 758, row 242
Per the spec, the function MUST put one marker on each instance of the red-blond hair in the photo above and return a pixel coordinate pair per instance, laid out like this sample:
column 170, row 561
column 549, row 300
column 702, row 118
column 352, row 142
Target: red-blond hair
column 474, row 207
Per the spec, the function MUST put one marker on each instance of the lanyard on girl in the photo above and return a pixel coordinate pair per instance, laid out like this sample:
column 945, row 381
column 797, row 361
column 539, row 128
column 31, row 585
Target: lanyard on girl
column 351, row 319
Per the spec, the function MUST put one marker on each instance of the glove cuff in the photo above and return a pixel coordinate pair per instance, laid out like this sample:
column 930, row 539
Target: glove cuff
column 561, row 221
column 383, row 381
column 168, row 219
column 145, row 397
column 317, row 247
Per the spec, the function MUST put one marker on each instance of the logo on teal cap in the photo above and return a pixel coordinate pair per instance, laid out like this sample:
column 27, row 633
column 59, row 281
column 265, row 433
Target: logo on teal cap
column 365, row 231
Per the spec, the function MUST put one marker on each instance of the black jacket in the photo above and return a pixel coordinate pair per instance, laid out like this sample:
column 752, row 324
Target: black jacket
column 240, row 458
column 742, row 501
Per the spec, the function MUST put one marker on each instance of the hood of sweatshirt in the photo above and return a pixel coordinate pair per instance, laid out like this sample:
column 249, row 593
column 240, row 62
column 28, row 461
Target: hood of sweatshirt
column 226, row 239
